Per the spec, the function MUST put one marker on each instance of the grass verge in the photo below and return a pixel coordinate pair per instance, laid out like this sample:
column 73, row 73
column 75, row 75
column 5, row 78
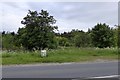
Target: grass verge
column 59, row 56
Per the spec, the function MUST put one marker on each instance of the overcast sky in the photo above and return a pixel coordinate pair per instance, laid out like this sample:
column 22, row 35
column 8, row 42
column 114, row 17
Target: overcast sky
column 69, row 15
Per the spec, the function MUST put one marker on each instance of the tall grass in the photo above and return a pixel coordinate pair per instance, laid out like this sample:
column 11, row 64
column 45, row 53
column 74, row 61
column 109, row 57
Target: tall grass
column 59, row 55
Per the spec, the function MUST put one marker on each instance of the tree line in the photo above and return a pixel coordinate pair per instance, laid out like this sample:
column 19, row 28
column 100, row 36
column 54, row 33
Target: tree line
column 39, row 32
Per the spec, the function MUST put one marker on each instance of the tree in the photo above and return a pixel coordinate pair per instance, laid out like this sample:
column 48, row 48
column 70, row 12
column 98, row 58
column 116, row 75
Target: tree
column 115, row 32
column 118, row 36
column 102, row 36
column 3, row 32
column 76, row 38
column 38, row 31
column 8, row 41
column 63, row 41
column 82, row 40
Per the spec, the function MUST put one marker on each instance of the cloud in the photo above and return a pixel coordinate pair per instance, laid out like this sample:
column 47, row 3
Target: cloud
column 85, row 15
column 69, row 15
column 92, row 12
column 12, row 14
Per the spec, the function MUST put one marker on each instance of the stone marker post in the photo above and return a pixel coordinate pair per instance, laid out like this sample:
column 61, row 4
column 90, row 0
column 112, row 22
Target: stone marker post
column 43, row 53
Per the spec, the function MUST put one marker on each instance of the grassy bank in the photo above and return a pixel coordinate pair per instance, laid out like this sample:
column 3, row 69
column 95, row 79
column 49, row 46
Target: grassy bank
column 59, row 55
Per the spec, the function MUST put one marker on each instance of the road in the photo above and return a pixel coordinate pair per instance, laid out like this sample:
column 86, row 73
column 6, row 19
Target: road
column 73, row 70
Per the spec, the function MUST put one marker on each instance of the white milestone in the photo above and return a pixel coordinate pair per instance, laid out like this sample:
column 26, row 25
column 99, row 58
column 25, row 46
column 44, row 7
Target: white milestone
column 43, row 53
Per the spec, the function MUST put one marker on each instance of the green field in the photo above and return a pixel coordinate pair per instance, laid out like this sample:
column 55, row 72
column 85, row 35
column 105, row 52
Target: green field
column 59, row 56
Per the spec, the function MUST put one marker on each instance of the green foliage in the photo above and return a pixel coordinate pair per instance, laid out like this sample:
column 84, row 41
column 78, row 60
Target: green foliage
column 118, row 37
column 0, row 41
column 38, row 32
column 102, row 36
column 115, row 37
column 76, row 38
column 53, row 44
column 8, row 40
column 62, row 41
column 82, row 40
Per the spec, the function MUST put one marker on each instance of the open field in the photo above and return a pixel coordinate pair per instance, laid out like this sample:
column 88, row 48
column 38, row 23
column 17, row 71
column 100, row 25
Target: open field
column 59, row 56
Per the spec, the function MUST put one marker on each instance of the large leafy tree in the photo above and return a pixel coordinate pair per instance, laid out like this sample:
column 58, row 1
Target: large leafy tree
column 38, row 31
column 102, row 36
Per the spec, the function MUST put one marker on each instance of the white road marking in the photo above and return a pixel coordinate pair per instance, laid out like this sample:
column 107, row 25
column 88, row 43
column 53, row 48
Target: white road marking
column 100, row 77
column 111, row 76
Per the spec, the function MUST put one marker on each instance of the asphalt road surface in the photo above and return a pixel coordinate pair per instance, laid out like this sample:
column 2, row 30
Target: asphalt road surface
column 72, row 70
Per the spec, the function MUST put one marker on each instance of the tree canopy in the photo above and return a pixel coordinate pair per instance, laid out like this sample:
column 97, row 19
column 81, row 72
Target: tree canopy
column 38, row 31
column 102, row 36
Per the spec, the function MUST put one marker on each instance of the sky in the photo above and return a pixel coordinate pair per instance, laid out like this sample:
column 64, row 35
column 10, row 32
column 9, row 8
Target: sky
column 69, row 15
